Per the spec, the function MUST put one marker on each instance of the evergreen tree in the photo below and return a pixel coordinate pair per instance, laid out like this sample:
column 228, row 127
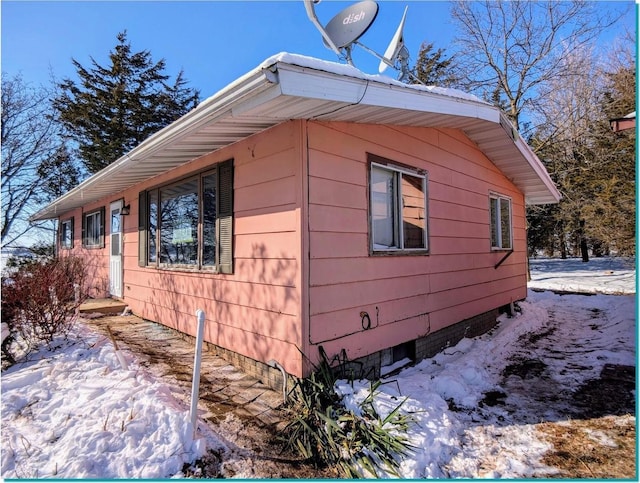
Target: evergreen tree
column 57, row 174
column 612, row 210
column 114, row 108
column 592, row 166
column 433, row 68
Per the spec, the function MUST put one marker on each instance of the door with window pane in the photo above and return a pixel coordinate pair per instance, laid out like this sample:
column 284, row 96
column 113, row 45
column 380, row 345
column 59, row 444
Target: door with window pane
column 115, row 249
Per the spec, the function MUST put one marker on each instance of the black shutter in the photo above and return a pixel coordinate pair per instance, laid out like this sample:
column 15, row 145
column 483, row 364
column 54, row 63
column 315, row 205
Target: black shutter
column 84, row 229
column 102, row 222
column 142, row 229
column 73, row 231
column 59, row 233
column 224, row 217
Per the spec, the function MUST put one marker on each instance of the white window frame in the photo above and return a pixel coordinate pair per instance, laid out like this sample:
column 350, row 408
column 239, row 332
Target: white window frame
column 89, row 240
column 398, row 171
column 66, row 227
column 495, row 222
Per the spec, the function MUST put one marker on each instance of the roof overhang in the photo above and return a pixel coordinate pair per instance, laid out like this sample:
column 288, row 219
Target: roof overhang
column 623, row 123
column 289, row 86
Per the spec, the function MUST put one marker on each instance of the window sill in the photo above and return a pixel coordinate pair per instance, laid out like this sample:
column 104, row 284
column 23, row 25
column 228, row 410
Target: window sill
column 399, row 253
column 185, row 269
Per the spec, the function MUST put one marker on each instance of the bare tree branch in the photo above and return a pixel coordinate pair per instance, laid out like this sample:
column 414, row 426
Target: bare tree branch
column 28, row 137
column 510, row 49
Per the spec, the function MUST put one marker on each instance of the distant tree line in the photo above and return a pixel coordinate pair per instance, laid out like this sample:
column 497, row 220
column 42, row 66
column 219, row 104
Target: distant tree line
column 535, row 60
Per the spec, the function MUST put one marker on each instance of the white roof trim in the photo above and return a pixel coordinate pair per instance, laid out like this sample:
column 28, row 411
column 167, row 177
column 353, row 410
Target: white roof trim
column 288, row 86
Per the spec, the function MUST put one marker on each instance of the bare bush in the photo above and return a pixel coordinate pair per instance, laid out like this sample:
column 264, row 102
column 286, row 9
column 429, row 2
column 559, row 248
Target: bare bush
column 40, row 300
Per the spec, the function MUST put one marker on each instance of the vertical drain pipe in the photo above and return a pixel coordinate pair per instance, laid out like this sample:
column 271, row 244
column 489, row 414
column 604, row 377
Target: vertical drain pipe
column 195, row 384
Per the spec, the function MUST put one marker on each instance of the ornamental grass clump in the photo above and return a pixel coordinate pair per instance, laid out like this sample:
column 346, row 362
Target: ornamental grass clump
column 357, row 443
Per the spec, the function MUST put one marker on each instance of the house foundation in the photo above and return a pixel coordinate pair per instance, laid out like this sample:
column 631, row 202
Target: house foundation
column 368, row 367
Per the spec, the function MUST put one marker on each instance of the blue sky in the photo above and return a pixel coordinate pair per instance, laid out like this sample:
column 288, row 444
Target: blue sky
column 215, row 42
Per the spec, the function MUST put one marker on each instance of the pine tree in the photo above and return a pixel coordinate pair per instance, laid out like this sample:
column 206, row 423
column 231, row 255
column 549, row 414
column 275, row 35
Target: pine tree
column 612, row 211
column 113, row 108
column 592, row 166
column 57, row 175
column 432, row 68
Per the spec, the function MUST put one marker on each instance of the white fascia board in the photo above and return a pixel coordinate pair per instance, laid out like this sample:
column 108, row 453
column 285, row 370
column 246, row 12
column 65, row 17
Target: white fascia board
column 309, row 84
column 247, row 105
column 539, row 169
column 297, row 81
column 329, row 86
column 216, row 106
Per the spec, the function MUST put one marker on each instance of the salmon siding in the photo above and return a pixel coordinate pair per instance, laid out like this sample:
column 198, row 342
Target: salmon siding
column 406, row 296
column 352, row 237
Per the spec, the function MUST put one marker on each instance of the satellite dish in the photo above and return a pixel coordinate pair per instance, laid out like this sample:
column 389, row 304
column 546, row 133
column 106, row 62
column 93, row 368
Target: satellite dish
column 395, row 46
column 351, row 23
column 344, row 30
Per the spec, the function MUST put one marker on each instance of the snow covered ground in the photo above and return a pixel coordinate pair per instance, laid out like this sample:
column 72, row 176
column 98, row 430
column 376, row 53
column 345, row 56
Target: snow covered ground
column 605, row 275
column 74, row 412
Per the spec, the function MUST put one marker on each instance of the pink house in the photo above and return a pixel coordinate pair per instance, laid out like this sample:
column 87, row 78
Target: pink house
column 309, row 207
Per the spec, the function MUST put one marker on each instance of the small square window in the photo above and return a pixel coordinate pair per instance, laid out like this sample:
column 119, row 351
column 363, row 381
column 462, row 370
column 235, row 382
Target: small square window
column 398, row 207
column 501, row 232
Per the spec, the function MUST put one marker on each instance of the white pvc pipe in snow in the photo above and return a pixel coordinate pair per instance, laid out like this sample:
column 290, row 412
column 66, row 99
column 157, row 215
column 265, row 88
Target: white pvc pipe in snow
column 195, row 385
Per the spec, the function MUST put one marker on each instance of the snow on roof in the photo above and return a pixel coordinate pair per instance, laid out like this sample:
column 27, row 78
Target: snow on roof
column 289, row 86
column 351, row 71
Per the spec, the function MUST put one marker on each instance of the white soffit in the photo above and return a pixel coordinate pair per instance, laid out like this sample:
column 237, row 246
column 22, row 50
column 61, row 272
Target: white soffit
column 297, row 87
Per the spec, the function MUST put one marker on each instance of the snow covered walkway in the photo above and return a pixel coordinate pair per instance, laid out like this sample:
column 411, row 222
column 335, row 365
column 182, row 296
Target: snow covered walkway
column 495, row 406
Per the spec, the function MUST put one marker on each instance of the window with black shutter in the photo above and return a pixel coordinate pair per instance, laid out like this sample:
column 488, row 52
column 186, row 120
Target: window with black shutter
column 189, row 223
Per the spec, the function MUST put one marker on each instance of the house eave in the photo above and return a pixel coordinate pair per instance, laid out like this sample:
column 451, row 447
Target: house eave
column 295, row 87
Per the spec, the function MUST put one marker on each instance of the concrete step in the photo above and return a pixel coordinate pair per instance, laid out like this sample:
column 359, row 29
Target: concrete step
column 102, row 306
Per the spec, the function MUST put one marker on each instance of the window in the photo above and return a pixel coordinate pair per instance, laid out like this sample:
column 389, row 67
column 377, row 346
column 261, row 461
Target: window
column 398, row 207
column 66, row 234
column 93, row 229
column 189, row 223
column 500, row 210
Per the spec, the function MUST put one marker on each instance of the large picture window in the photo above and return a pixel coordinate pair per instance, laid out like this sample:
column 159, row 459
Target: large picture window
column 398, row 209
column 500, row 212
column 93, row 229
column 189, row 223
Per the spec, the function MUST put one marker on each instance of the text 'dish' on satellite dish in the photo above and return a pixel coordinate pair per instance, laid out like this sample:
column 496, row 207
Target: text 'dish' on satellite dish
column 351, row 23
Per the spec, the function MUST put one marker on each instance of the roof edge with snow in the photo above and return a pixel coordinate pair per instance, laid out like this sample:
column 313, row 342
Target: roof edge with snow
column 288, row 86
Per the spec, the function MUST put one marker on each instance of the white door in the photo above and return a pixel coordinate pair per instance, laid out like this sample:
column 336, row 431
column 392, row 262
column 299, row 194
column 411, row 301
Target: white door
column 115, row 262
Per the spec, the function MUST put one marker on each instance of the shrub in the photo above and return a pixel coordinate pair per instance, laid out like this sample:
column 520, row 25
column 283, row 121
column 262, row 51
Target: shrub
column 325, row 432
column 40, row 300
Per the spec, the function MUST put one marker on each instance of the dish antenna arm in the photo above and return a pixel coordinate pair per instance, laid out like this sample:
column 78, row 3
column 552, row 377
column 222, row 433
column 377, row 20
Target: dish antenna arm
column 311, row 13
column 402, row 58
